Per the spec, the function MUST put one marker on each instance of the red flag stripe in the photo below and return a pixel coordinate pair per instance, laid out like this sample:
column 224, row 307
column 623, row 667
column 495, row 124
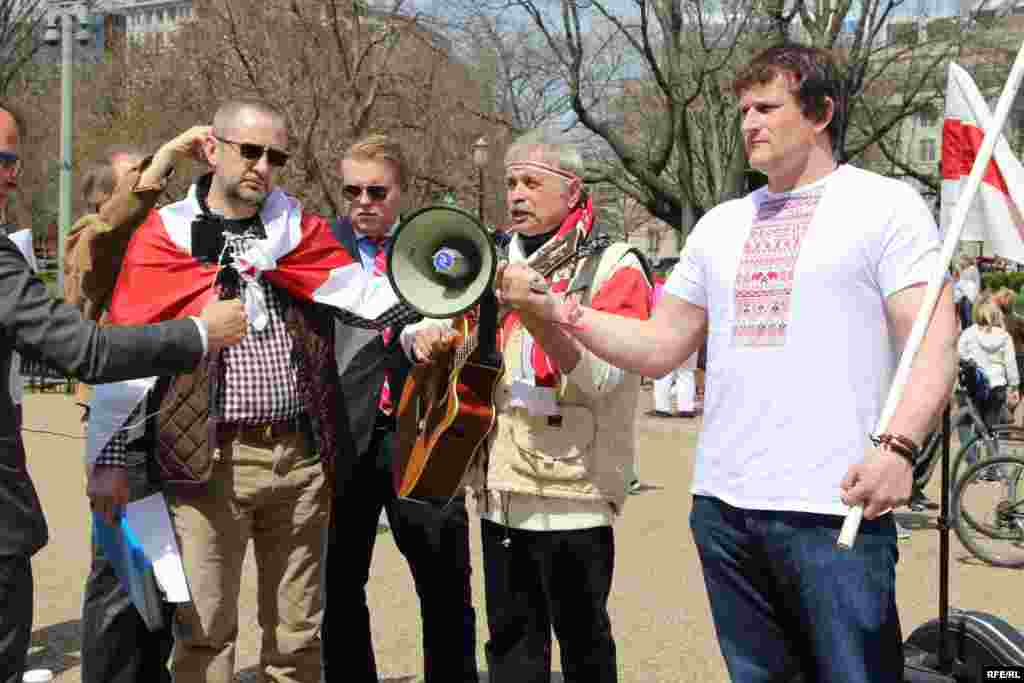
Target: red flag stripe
column 158, row 281
column 302, row 271
column 960, row 145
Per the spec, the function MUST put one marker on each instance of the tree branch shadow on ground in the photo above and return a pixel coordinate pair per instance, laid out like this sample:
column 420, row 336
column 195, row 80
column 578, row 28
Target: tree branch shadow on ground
column 56, row 647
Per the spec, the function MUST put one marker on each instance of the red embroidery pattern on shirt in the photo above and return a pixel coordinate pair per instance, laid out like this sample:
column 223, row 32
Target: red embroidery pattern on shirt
column 764, row 279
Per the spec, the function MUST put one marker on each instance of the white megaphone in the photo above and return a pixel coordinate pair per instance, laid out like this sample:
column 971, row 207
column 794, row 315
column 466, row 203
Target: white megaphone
column 441, row 261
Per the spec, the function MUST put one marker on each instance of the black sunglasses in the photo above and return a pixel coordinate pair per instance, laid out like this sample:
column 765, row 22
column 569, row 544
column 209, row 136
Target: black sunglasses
column 253, row 152
column 10, row 161
column 376, row 193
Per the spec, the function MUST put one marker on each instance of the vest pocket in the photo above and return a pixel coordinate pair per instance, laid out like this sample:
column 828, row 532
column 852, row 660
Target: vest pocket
column 552, row 452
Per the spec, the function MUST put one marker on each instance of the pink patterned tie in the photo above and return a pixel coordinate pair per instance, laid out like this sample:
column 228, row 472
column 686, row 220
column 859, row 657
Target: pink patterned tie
column 380, row 269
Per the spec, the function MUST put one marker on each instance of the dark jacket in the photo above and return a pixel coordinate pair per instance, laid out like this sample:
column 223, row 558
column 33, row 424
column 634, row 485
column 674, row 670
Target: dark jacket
column 41, row 328
column 363, row 363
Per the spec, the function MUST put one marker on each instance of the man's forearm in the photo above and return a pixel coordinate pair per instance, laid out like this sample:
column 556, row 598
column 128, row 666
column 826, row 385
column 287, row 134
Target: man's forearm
column 133, row 199
column 634, row 345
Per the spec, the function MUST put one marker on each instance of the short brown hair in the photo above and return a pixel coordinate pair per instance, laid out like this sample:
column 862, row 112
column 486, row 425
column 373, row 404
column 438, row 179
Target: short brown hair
column 227, row 113
column 99, row 176
column 378, row 147
column 813, row 76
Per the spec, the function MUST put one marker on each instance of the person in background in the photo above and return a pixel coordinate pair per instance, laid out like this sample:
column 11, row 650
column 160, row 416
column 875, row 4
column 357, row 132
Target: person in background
column 1015, row 326
column 675, row 394
column 991, row 347
column 970, row 285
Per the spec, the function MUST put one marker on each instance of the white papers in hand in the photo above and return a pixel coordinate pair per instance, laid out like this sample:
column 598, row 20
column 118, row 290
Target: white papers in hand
column 150, row 521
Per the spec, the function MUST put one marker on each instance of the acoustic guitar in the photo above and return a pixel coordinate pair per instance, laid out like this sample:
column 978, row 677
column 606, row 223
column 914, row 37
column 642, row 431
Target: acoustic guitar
column 446, row 411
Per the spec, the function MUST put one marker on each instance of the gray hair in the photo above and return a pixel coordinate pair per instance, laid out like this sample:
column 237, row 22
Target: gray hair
column 552, row 148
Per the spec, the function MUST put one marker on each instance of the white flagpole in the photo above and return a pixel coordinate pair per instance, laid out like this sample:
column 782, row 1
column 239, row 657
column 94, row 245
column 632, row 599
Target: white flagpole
column 851, row 524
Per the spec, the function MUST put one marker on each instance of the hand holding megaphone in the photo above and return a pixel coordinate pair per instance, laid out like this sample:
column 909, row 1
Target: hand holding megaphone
column 519, row 286
column 431, row 342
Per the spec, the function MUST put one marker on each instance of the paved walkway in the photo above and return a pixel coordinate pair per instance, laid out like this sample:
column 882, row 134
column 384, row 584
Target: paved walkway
column 659, row 610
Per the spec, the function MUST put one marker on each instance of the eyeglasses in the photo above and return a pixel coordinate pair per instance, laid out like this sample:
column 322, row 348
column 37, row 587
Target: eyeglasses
column 9, row 161
column 376, row 193
column 253, row 152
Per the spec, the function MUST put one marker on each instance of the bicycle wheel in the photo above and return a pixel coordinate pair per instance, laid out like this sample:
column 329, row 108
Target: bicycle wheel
column 985, row 449
column 988, row 511
column 931, row 453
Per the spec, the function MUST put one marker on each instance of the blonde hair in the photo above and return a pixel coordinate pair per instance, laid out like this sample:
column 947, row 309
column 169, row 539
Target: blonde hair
column 377, row 147
column 988, row 314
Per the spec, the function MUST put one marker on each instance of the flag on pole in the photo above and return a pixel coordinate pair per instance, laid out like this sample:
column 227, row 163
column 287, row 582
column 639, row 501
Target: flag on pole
column 995, row 216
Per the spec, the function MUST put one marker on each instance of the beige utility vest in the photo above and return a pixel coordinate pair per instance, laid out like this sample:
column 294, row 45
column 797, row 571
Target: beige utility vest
column 585, row 451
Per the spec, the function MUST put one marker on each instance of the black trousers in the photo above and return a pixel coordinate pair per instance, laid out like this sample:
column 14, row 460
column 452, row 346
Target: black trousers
column 15, row 615
column 434, row 538
column 539, row 580
column 117, row 647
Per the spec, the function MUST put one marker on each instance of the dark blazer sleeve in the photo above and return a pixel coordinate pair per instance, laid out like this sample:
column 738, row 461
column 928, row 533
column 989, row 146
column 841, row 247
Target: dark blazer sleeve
column 40, row 327
column 363, row 362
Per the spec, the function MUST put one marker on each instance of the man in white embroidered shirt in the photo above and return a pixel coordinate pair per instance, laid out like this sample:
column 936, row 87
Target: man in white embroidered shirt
column 806, row 290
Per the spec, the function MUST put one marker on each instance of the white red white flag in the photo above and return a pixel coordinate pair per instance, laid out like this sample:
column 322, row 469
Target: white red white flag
column 995, row 216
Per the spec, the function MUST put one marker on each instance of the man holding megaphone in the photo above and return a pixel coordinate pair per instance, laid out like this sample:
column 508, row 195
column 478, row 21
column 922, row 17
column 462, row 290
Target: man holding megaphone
column 555, row 473
column 433, row 535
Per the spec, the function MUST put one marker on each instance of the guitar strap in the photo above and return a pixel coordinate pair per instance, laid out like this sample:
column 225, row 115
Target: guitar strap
column 594, row 265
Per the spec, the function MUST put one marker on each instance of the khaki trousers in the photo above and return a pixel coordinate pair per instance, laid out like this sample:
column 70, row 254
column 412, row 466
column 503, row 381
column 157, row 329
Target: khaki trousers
column 275, row 495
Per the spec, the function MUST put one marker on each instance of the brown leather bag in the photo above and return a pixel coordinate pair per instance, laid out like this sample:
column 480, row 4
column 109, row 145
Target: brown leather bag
column 184, row 448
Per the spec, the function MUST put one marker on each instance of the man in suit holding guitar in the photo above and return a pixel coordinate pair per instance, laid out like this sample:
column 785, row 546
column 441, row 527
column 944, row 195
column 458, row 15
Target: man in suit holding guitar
column 433, row 535
column 554, row 476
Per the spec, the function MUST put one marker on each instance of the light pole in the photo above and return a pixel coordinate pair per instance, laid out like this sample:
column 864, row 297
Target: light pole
column 480, row 161
column 62, row 20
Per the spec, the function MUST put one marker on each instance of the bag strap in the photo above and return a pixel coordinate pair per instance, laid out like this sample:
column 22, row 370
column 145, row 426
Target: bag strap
column 597, row 269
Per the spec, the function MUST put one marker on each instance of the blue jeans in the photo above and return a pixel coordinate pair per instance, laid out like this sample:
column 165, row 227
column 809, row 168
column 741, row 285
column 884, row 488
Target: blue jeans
column 787, row 602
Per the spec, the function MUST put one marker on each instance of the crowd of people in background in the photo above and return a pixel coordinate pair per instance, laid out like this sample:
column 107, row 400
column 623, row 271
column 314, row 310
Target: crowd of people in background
column 991, row 336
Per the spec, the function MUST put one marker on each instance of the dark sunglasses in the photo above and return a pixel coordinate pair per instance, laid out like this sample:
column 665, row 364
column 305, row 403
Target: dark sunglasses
column 10, row 161
column 376, row 193
column 253, row 152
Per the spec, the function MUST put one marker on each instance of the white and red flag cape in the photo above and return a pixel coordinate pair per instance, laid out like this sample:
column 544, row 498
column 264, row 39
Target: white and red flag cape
column 161, row 280
column 995, row 216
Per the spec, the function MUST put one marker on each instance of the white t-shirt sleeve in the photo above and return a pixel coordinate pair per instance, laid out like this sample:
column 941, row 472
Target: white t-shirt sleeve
column 687, row 279
column 909, row 248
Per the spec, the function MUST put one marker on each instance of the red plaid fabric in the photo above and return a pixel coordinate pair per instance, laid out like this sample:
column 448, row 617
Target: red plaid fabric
column 380, row 269
column 260, row 383
column 259, row 373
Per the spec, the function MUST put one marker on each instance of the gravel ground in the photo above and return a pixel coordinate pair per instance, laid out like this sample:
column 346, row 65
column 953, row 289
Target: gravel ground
column 659, row 609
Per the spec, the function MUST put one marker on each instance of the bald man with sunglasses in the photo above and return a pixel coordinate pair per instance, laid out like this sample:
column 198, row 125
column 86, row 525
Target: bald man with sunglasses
column 264, row 415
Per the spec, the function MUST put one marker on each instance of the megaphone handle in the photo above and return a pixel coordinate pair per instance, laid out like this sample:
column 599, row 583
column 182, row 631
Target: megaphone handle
column 487, row 327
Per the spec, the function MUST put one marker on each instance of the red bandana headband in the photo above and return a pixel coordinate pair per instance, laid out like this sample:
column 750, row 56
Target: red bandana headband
column 543, row 168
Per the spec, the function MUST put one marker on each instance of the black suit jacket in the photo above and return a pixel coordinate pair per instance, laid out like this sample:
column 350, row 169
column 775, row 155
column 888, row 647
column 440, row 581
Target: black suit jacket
column 363, row 362
column 39, row 327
